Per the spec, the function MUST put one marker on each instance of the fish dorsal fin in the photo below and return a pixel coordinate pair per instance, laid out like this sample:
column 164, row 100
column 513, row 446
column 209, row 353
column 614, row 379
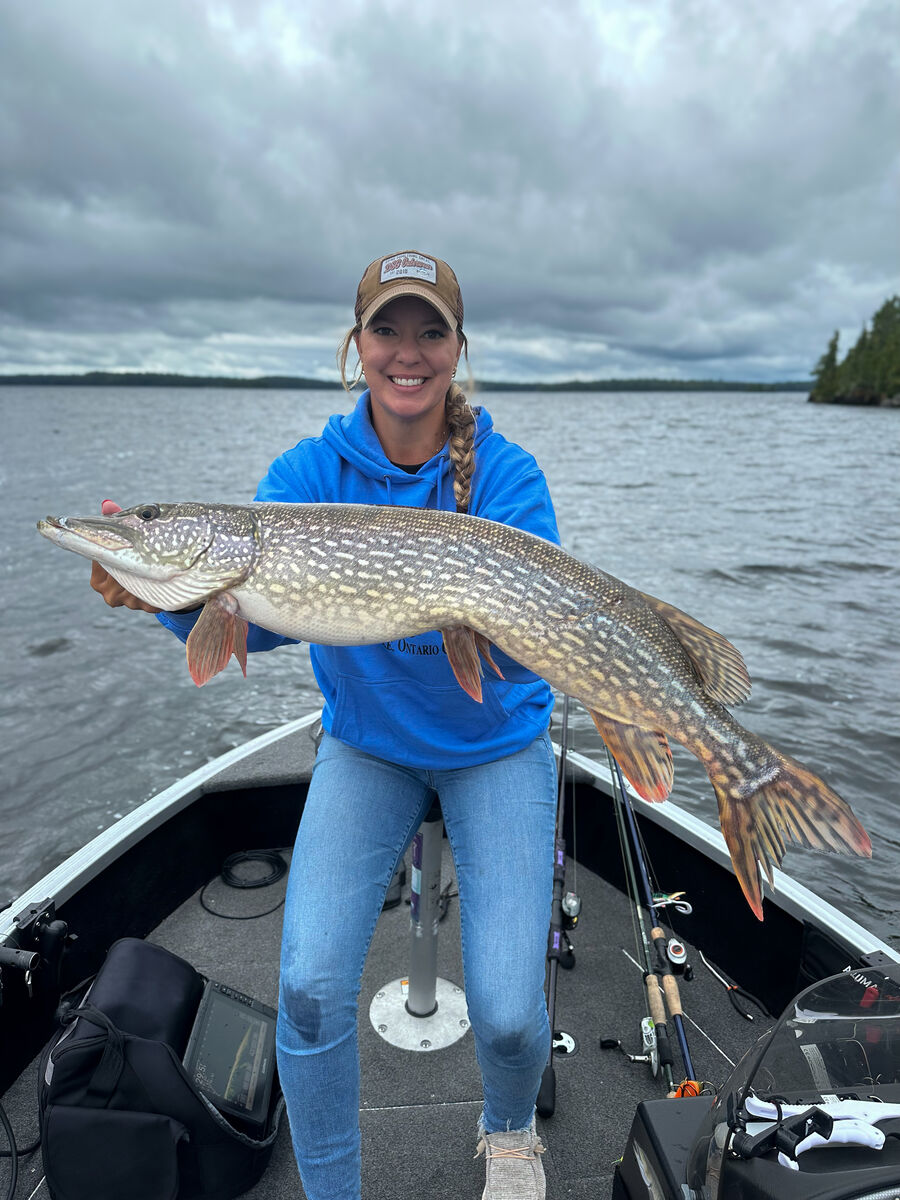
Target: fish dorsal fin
column 218, row 633
column 643, row 755
column 719, row 664
column 462, row 645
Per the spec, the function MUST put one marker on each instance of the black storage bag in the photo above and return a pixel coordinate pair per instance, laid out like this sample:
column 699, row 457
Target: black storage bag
column 120, row 1116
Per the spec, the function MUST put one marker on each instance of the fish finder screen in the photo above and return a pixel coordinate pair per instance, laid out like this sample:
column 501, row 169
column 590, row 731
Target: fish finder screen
column 231, row 1053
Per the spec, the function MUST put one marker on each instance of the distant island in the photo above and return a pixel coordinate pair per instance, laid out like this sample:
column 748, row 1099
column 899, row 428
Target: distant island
column 870, row 372
column 287, row 382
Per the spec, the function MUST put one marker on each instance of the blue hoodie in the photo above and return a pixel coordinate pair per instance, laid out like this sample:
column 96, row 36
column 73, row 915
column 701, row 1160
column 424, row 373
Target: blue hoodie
column 400, row 700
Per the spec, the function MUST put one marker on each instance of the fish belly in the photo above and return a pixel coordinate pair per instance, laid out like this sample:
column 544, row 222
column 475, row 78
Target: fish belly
column 334, row 622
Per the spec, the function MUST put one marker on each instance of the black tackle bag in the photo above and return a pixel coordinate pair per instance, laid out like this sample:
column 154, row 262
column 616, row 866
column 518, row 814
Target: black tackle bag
column 121, row 1115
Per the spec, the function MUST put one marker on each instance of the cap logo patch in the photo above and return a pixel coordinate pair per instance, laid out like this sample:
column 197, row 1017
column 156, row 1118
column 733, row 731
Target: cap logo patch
column 409, row 266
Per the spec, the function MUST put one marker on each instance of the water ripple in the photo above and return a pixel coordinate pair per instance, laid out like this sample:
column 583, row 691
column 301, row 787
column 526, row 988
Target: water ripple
column 97, row 711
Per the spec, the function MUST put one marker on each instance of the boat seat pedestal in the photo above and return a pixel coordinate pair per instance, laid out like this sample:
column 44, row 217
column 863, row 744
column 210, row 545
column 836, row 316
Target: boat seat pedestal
column 422, row 1011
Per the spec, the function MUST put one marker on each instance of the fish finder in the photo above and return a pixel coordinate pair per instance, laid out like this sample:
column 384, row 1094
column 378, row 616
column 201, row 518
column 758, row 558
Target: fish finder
column 231, row 1054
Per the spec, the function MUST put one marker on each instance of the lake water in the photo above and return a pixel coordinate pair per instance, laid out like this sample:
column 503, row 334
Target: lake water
column 773, row 520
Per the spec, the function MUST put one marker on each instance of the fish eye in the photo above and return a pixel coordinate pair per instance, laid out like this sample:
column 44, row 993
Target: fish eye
column 149, row 512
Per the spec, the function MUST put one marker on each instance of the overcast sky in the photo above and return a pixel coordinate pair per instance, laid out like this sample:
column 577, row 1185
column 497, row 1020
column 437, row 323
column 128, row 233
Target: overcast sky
column 680, row 188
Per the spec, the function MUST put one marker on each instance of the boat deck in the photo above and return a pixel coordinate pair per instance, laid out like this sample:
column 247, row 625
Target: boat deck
column 419, row 1109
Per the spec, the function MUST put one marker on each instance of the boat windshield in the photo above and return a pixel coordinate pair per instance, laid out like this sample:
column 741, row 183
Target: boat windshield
column 835, row 1050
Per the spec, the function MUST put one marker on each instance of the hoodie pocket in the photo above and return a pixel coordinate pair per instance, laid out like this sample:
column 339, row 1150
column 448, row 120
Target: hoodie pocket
column 406, row 720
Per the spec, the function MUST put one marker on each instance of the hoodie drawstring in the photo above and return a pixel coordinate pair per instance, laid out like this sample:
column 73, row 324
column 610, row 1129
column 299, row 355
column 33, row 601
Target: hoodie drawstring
column 388, row 483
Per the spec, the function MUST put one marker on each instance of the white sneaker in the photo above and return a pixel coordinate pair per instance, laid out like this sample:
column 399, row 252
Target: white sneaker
column 514, row 1169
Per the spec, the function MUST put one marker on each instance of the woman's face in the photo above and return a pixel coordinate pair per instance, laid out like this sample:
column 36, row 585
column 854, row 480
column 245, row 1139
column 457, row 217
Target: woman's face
column 409, row 355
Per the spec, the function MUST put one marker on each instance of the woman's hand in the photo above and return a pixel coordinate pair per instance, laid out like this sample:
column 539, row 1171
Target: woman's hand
column 101, row 581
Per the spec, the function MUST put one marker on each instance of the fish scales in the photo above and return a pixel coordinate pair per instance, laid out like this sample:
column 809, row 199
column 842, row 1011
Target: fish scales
column 566, row 643
column 342, row 574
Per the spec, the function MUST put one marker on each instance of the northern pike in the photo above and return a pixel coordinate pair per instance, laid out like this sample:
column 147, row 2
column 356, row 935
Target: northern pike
column 352, row 574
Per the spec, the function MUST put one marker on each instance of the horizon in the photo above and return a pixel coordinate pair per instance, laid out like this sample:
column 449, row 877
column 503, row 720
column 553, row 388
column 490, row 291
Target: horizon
column 309, row 383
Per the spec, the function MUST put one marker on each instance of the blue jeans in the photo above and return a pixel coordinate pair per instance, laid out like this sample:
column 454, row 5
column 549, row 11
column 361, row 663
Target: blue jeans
column 361, row 814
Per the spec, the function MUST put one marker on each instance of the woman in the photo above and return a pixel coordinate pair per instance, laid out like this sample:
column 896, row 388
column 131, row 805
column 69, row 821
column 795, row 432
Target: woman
column 397, row 729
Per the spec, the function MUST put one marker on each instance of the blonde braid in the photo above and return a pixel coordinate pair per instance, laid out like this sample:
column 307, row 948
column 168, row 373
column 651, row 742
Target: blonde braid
column 461, row 421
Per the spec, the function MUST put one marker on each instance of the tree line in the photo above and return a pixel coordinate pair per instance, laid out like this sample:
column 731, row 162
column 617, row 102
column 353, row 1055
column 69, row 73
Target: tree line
column 870, row 371
column 283, row 382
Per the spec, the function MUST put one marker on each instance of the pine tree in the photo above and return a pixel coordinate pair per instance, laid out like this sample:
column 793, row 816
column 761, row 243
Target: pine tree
column 885, row 342
column 855, row 370
column 870, row 372
column 825, row 373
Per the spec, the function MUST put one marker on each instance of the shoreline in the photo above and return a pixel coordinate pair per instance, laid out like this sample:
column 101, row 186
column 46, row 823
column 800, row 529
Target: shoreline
column 298, row 383
column 857, row 400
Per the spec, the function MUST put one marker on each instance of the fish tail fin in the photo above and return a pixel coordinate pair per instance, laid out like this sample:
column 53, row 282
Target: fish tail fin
column 789, row 804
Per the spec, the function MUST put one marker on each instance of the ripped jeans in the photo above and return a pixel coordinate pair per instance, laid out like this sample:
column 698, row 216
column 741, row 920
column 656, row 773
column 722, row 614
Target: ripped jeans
column 360, row 816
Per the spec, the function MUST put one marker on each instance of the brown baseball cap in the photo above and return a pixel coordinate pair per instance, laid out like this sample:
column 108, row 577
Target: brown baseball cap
column 409, row 273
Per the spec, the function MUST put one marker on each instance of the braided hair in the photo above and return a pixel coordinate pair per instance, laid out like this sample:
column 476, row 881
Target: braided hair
column 461, row 421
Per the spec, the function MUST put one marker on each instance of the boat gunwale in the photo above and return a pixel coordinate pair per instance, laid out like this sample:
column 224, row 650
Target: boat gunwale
column 789, row 894
column 86, row 863
column 81, row 867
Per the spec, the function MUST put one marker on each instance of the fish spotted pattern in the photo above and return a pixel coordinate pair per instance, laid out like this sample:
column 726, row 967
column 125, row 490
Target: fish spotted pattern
column 345, row 574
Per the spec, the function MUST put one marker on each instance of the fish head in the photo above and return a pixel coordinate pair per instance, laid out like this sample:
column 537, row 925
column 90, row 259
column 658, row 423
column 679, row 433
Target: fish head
column 169, row 555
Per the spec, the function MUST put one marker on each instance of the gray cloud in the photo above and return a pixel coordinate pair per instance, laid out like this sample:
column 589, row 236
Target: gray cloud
column 701, row 190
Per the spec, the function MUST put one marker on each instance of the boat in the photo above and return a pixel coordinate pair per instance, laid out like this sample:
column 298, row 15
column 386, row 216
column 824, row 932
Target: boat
column 165, row 873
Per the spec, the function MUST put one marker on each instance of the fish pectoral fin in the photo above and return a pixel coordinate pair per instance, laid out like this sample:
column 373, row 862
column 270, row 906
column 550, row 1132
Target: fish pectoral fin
column 462, row 645
column 643, row 755
column 791, row 805
column 719, row 664
column 218, row 633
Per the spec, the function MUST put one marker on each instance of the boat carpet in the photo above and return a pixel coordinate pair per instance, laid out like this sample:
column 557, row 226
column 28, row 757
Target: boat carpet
column 419, row 1110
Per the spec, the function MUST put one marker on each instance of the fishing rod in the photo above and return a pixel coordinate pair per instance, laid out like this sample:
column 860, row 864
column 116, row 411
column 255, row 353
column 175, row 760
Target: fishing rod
column 657, row 936
column 734, row 991
column 563, row 916
column 656, row 1038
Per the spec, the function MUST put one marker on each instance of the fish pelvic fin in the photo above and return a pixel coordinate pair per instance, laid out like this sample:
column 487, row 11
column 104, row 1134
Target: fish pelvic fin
column 463, row 645
column 484, row 648
column 643, row 755
column 218, row 633
column 720, row 665
column 791, row 805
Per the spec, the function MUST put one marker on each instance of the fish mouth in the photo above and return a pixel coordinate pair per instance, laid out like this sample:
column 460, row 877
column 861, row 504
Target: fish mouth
column 96, row 531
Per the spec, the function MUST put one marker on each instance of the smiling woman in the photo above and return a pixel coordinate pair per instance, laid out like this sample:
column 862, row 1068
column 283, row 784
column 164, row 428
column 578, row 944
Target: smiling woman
column 398, row 728
column 397, row 731
column 408, row 355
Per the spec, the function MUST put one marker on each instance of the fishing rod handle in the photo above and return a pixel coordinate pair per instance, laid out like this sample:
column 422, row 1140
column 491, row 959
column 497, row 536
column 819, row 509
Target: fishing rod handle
column 664, row 1050
column 655, row 1001
column 673, row 996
